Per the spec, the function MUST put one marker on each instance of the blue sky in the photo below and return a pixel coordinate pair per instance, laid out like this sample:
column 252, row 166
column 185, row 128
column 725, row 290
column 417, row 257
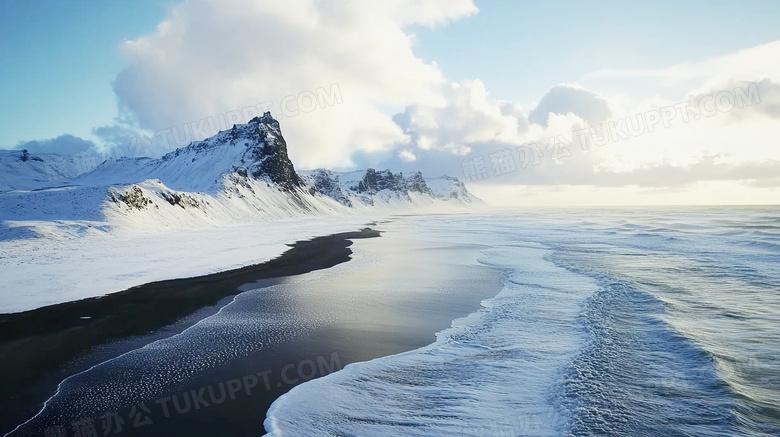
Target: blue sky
column 57, row 61
column 519, row 49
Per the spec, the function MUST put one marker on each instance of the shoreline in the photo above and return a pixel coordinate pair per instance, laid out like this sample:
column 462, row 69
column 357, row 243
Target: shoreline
column 36, row 342
column 376, row 320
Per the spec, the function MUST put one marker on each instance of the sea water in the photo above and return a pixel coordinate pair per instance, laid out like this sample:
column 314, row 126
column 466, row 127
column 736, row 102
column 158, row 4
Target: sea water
column 640, row 322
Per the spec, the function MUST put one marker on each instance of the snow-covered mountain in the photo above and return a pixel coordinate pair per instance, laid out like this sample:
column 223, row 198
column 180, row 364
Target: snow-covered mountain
column 238, row 175
column 20, row 170
column 254, row 150
column 370, row 186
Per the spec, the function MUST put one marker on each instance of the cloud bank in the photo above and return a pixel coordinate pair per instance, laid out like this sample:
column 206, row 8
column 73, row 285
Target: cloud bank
column 63, row 145
column 564, row 99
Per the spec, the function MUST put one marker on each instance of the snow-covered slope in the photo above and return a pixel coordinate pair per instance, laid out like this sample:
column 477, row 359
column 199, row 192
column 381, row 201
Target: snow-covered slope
column 45, row 271
column 449, row 188
column 25, row 171
column 239, row 175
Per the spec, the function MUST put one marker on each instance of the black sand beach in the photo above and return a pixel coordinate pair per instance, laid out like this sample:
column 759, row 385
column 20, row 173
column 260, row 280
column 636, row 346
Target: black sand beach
column 35, row 342
column 374, row 321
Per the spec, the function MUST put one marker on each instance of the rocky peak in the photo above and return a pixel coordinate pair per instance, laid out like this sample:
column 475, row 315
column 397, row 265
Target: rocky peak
column 327, row 183
column 370, row 186
column 416, row 184
column 268, row 153
column 255, row 149
column 374, row 181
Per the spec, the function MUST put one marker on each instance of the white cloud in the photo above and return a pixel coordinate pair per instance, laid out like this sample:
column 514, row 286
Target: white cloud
column 463, row 117
column 751, row 63
column 63, row 145
column 213, row 56
column 407, row 156
column 564, row 99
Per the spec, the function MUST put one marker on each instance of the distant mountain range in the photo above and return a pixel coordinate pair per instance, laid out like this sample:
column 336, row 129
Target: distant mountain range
column 236, row 175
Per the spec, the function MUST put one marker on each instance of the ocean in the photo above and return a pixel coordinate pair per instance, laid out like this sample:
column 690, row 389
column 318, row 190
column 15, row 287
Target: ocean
column 611, row 322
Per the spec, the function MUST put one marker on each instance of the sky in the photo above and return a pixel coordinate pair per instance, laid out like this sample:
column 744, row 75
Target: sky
column 511, row 96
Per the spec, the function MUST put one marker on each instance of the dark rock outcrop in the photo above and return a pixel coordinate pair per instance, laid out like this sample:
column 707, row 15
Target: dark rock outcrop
column 270, row 153
column 327, row 183
column 375, row 181
column 416, row 184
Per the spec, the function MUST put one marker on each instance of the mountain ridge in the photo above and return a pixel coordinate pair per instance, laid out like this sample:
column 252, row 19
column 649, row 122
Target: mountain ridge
column 239, row 174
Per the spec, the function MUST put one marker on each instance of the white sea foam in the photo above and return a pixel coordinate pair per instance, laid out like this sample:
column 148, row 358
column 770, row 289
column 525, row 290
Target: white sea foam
column 494, row 372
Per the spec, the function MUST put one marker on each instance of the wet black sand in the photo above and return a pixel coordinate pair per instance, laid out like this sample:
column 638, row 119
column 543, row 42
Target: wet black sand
column 35, row 342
